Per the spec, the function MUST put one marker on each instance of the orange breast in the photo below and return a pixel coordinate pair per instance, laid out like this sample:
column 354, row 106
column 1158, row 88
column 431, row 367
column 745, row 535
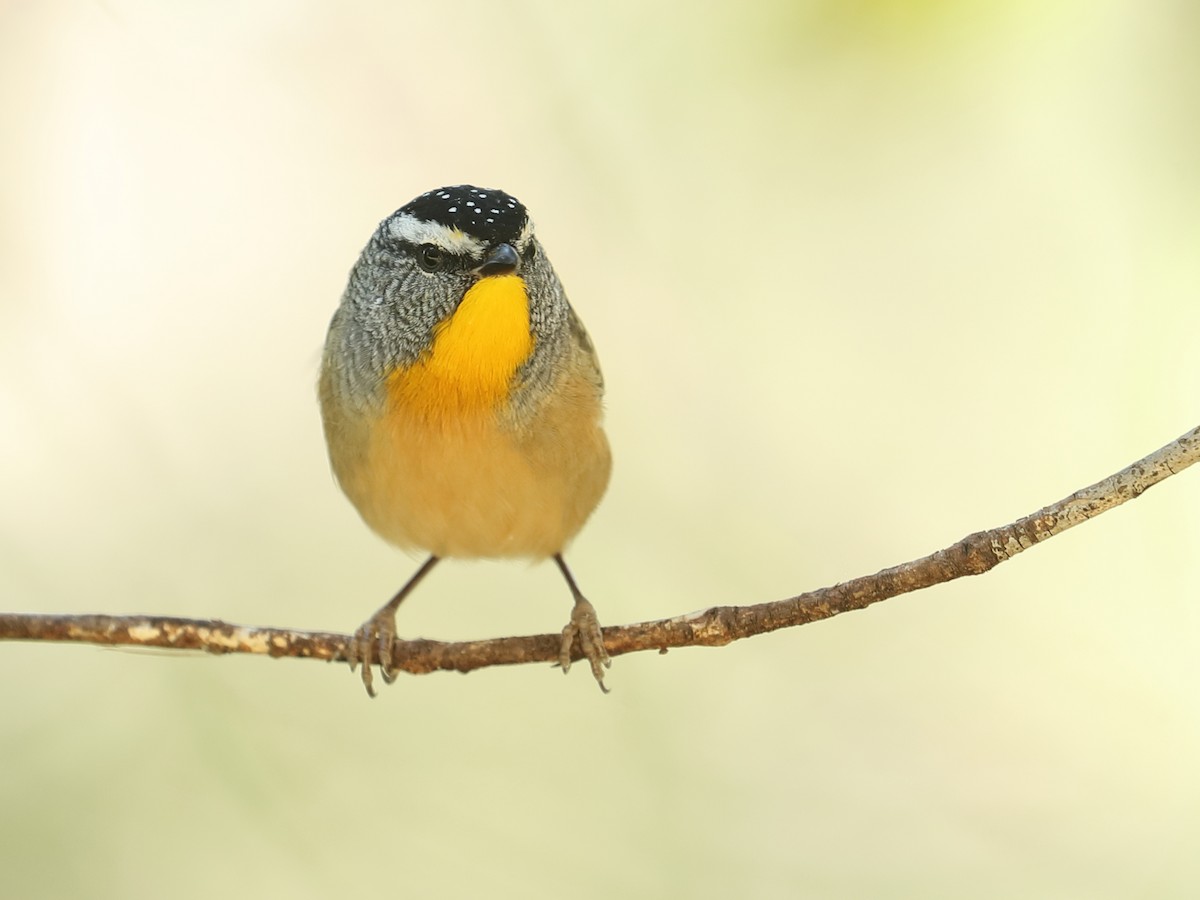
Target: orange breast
column 474, row 355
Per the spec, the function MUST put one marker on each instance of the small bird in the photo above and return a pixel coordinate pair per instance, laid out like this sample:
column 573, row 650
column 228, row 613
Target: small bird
column 461, row 399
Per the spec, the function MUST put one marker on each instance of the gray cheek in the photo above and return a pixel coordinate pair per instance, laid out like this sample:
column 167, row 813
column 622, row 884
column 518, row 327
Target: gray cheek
column 548, row 321
column 396, row 321
column 548, row 314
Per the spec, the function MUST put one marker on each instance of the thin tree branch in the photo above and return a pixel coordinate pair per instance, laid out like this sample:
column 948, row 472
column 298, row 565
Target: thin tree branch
column 973, row 555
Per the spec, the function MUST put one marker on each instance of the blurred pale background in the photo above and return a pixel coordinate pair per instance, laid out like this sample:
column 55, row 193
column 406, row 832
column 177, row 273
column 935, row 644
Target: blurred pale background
column 864, row 277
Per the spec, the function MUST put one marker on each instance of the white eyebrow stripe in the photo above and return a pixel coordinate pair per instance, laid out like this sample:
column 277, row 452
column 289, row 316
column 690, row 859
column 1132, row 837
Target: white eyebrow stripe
column 526, row 233
column 418, row 231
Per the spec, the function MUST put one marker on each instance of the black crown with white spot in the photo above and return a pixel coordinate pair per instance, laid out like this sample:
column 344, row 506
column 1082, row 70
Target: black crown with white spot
column 491, row 216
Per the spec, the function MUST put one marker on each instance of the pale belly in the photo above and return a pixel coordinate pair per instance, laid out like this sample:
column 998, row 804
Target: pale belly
column 474, row 488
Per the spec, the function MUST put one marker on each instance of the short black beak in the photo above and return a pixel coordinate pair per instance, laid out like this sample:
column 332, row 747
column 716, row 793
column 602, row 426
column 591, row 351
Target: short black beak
column 502, row 260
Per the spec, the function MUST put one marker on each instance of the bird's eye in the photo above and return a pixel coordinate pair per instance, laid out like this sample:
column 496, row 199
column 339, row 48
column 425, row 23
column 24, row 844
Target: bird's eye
column 430, row 257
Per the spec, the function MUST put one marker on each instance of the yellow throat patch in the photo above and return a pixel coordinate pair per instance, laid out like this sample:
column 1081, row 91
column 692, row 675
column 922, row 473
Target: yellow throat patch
column 470, row 363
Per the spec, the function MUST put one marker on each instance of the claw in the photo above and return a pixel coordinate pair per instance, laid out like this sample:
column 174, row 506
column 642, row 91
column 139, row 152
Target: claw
column 385, row 633
column 586, row 626
column 378, row 631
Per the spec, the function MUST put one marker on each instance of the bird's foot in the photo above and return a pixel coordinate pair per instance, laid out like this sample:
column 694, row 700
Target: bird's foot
column 586, row 627
column 373, row 641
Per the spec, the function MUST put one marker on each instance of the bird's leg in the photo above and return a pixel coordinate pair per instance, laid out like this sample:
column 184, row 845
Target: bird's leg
column 586, row 626
column 379, row 632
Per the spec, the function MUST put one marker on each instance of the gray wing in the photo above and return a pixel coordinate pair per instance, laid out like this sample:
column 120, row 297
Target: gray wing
column 581, row 345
